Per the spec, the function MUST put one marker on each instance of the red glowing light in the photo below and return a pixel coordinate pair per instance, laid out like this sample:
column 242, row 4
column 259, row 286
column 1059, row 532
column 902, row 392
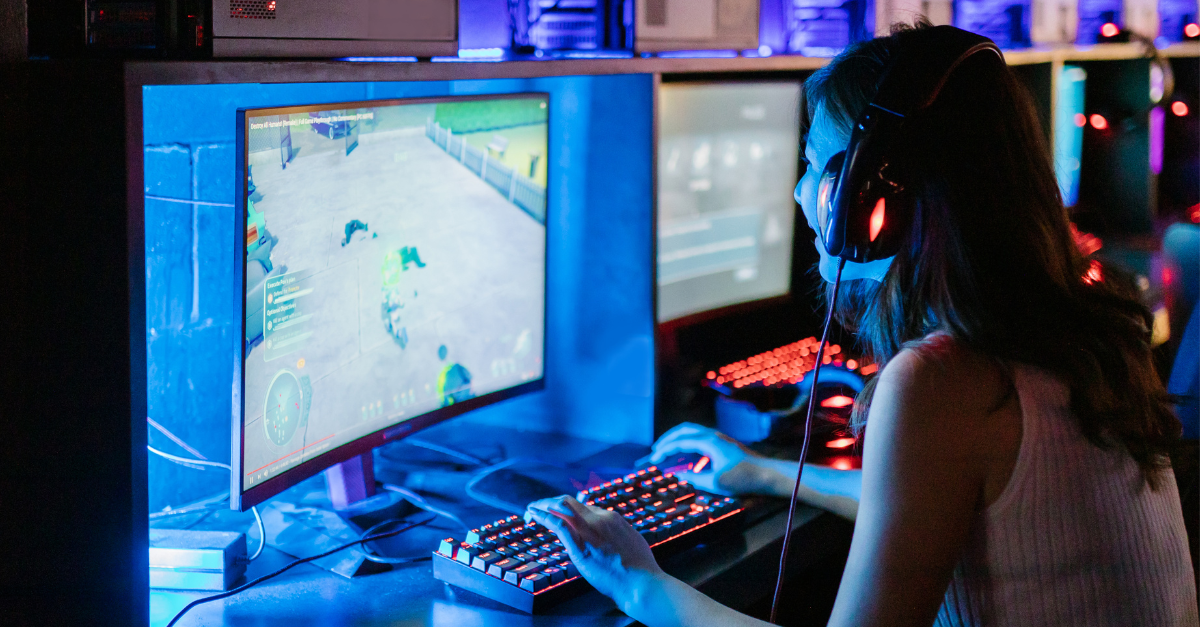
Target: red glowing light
column 711, row 375
column 271, row 5
column 843, row 463
column 1167, row 277
column 1109, row 30
column 837, row 402
column 1195, row 211
column 841, row 443
column 1085, row 242
column 851, row 365
column 1179, row 108
column 1192, row 30
column 1098, row 122
column 869, row 369
column 877, row 219
column 1080, row 120
column 1094, row 274
column 700, row 464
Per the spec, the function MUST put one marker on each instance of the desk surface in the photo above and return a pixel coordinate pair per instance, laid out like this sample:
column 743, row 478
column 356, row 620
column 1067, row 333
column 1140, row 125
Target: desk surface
column 737, row 569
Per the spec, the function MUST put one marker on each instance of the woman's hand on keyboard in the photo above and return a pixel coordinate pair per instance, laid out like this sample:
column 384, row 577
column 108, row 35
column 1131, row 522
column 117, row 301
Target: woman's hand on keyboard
column 602, row 545
column 733, row 468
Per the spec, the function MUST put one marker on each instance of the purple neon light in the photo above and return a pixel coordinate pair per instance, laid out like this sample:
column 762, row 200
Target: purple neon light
column 1157, row 133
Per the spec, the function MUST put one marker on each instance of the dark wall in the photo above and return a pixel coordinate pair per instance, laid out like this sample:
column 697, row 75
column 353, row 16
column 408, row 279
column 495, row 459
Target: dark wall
column 74, row 535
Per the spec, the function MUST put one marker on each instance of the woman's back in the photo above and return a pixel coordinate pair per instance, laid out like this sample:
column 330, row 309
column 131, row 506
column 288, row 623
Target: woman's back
column 1077, row 537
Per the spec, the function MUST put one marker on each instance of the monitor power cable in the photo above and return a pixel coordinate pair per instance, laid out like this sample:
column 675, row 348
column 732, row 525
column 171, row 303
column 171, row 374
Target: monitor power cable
column 203, row 464
column 812, row 404
column 297, row 562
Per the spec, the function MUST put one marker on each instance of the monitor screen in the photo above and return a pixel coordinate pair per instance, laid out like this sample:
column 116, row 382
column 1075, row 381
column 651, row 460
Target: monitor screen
column 395, row 263
column 727, row 164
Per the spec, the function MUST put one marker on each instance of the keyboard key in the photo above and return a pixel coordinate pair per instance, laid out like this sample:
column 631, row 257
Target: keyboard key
column 515, row 575
column 466, row 553
column 569, row 569
column 499, row 569
column 556, row 575
column 483, row 560
column 505, row 551
column 447, row 546
column 535, row 582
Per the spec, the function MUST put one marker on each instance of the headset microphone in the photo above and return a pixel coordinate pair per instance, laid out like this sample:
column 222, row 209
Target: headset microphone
column 863, row 212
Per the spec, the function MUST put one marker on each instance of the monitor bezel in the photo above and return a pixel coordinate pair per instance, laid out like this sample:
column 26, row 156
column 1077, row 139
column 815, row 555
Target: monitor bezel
column 242, row 499
column 799, row 225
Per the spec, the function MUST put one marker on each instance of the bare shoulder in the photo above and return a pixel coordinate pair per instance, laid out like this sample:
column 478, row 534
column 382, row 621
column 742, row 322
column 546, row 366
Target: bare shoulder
column 941, row 386
column 944, row 370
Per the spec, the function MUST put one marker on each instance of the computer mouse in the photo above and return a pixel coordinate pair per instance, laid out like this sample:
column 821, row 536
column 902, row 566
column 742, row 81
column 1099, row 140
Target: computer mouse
column 690, row 462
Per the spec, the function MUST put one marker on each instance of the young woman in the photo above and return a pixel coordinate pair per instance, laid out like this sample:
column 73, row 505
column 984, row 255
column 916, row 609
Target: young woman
column 1015, row 466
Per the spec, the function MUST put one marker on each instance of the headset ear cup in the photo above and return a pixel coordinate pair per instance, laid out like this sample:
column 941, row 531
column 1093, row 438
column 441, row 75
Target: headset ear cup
column 830, row 222
column 890, row 221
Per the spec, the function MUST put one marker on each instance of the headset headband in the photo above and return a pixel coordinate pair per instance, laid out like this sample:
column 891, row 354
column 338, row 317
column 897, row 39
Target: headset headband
column 919, row 72
column 856, row 229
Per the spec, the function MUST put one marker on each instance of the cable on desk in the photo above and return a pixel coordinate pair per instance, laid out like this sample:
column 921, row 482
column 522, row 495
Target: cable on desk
column 379, row 559
column 262, row 535
column 445, row 450
column 290, row 565
column 174, row 438
column 419, row 501
column 201, row 464
column 489, row 500
column 186, row 461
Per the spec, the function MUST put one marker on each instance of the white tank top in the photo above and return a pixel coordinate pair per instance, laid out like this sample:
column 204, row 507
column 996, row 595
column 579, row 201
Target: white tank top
column 1076, row 537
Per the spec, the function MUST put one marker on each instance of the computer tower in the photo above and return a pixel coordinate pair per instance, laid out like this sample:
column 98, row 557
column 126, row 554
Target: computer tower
column 696, row 25
column 271, row 28
column 317, row 28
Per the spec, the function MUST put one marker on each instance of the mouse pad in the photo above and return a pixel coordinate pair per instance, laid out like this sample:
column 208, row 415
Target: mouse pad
column 515, row 483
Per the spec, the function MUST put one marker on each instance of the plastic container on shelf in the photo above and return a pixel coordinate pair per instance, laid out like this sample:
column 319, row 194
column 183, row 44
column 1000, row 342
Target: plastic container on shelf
column 1175, row 17
column 553, row 25
column 825, row 27
column 1054, row 21
column 1006, row 22
column 1094, row 15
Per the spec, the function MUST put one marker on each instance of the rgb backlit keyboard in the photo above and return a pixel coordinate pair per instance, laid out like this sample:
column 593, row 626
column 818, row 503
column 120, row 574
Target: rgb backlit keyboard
column 525, row 566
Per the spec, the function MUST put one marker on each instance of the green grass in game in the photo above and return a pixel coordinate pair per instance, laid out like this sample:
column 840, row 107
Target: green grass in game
column 523, row 143
column 483, row 115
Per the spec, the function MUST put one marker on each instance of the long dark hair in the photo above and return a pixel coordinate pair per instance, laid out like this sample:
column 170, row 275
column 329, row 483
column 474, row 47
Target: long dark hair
column 991, row 259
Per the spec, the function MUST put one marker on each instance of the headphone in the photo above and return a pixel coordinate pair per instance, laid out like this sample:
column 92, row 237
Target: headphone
column 862, row 212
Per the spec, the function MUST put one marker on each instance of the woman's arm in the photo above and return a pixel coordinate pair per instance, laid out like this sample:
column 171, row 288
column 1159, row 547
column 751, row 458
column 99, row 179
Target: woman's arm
column 834, row 490
column 925, row 464
column 735, row 469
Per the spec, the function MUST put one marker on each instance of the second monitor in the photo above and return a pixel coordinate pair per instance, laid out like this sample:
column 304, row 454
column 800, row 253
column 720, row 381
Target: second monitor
column 727, row 163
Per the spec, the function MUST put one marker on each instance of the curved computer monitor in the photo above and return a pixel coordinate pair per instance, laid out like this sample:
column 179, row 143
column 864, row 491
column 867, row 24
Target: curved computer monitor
column 727, row 164
column 394, row 264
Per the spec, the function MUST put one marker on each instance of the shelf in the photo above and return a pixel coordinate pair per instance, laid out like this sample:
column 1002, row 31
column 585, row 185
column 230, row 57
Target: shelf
column 280, row 71
column 1098, row 52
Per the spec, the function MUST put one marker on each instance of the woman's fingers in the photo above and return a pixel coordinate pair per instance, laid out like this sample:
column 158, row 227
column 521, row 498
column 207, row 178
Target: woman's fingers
column 554, row 505
column 705, row 481
column 577, row 508
column 701, row 445
column 559, row 527
column 686, row 429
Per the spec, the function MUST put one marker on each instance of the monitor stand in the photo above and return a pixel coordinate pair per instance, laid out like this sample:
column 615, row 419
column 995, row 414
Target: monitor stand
column 351, row 481
column 312, row 527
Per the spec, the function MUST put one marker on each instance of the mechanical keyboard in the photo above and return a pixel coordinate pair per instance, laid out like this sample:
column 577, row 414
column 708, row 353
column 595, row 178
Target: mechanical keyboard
column 525, row 566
